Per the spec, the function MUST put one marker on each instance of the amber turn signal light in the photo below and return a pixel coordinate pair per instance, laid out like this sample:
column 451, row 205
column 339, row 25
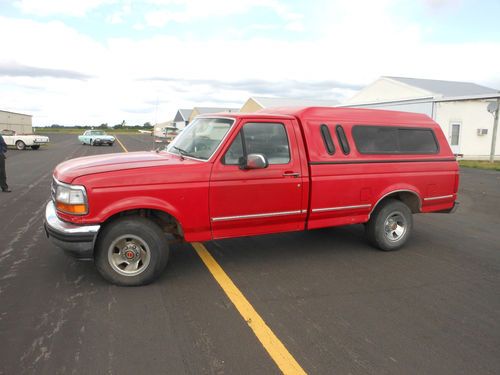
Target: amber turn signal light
column 78, row 209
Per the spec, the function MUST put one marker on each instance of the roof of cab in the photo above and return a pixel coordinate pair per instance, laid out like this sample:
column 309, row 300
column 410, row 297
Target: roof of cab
column 351, row 114
column 361, row 115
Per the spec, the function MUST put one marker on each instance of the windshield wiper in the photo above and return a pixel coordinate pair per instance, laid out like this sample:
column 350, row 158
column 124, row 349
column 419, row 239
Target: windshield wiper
column 181, row 151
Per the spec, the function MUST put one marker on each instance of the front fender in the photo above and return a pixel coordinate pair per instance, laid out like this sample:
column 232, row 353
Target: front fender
column 138, row 202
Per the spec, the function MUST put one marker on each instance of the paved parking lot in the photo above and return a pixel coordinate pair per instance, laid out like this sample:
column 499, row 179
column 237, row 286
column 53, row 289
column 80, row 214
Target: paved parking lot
column 338, row 305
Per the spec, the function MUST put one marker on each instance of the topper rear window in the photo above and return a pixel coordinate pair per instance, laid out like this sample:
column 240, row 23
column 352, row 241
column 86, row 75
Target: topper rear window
column 394, row 140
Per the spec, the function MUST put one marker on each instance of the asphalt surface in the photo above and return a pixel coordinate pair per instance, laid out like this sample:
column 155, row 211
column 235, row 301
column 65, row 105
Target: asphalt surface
column 338, row 305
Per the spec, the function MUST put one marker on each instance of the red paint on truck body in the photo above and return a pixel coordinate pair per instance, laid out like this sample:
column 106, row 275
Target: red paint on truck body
column 315, row 189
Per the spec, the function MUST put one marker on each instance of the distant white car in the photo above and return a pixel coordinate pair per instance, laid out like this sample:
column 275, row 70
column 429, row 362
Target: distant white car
column 21, row 141
column 96, row 137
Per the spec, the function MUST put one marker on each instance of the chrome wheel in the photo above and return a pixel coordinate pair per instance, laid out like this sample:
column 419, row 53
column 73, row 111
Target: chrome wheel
column 395, row 226
column 129, row 255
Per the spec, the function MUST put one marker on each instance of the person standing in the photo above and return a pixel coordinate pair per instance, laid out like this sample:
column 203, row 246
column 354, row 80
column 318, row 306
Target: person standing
column 3, row 176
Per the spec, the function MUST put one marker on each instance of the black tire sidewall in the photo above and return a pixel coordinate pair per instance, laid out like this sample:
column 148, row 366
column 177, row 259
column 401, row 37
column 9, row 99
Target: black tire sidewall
column 20, row 145
column 375, row 227
column 150, row 233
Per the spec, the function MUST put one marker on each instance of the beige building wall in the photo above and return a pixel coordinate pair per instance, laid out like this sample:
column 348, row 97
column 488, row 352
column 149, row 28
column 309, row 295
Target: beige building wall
column 16, row 121
column 194, row 114
column 471, row 115
column 250, row 106
column 385, row 89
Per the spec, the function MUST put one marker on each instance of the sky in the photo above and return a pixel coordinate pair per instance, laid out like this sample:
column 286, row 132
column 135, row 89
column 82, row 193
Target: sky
column 88, row 62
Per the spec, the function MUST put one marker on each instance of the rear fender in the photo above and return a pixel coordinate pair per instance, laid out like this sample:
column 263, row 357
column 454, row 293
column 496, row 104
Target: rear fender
column 400, row 188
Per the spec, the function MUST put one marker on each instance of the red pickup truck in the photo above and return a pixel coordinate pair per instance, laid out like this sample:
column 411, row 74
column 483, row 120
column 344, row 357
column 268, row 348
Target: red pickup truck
column 232, row 175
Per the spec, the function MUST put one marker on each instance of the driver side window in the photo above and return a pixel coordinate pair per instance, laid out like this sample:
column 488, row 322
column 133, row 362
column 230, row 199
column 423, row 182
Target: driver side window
column 268, row 139
column 234, row 155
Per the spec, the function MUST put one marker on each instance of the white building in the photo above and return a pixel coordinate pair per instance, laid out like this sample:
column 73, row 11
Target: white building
column 162, row 128
column 208, row 110
column 18, row 122
column 181, row 118
column 460, row 108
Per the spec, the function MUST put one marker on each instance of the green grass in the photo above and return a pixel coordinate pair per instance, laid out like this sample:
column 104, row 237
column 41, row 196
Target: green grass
column 481, row 164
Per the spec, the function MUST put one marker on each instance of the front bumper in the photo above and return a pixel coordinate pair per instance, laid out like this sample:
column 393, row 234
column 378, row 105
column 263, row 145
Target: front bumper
column 104, row 141
column 76, row 240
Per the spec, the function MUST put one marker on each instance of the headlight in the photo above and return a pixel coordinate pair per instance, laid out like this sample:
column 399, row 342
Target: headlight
column 71, row 199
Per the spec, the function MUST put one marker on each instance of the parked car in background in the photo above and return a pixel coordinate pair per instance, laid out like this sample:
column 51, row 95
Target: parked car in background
column 245, row 174
column 21, row 141
column 96, row 138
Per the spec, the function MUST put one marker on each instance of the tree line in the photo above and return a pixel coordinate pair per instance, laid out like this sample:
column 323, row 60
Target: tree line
column 123, row 125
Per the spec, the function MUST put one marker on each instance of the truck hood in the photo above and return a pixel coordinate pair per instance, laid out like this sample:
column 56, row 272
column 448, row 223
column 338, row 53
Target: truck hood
column 74, row 168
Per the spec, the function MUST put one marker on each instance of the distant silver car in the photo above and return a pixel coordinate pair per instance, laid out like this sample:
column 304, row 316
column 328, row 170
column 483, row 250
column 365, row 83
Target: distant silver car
column 21, row 141
column 96, row 137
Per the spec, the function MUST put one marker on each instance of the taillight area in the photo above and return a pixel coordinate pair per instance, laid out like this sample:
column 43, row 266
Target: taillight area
column 457, row 183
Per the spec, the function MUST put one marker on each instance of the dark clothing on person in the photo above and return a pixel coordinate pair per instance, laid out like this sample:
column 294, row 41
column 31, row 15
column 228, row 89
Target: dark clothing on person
column 3, row 177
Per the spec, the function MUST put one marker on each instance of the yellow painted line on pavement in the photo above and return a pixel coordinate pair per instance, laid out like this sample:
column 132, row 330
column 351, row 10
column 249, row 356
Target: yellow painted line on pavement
column 121, row 144
column 278, row 352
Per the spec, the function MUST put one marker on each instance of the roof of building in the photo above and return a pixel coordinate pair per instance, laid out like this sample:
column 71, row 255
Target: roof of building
column 16, row 113
column 446, row 88
column 268, row 102
column 182, row 115
column 203, row 110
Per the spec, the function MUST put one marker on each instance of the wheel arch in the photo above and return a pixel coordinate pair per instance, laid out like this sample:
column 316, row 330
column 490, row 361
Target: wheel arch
column 409, row 197
column 165, row 220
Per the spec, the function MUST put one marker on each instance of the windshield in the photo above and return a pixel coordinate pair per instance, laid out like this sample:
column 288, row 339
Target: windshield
column 98, row 132
column 201, row 138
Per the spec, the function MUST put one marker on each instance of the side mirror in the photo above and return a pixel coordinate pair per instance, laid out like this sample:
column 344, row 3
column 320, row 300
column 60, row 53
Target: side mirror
column 256, row 161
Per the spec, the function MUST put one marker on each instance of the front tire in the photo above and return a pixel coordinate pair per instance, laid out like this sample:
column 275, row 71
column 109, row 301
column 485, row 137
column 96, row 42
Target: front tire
column 131, row 251
column 390, row 225
column 35, row 147
column 20, row 145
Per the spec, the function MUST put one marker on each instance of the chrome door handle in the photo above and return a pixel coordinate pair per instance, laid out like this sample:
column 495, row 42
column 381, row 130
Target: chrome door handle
column 291, row 174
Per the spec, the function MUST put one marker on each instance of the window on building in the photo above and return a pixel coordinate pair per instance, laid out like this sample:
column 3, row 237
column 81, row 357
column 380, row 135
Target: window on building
column 394, row 140
column 455, row 134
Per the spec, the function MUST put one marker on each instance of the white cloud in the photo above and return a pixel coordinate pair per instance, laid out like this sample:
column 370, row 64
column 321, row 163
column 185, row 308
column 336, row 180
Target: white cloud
column 75, row 8
column 352, row 47
column 119, row 16
column 295, row 26
column 193, row 10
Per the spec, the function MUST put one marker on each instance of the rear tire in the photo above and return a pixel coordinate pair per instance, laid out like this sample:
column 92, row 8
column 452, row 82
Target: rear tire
column 131, row 251
column 20, row 145
column 390, row 225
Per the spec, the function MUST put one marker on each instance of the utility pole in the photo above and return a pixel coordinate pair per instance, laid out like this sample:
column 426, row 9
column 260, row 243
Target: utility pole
column 495, row 128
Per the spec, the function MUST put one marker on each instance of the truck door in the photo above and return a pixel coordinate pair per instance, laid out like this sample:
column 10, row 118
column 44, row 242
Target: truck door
column 258, row 201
